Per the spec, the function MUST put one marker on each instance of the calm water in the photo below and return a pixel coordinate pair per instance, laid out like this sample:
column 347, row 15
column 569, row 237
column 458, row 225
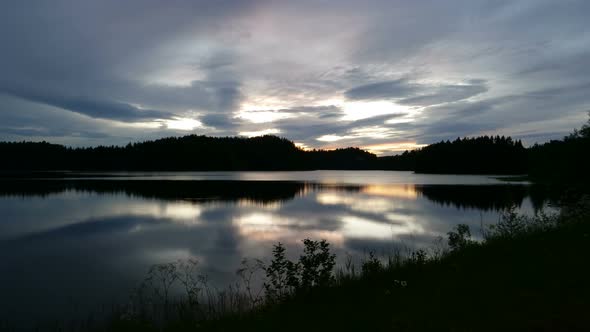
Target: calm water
column 70, row 245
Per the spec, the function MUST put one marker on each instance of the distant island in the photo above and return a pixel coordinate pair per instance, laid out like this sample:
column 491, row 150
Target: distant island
column 556, row 160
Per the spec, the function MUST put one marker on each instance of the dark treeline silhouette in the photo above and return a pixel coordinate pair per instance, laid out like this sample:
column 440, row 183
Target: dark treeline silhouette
column 188, row 153
column 483, row 155
column 556, row 160
column 479, row 155
column 563, row 160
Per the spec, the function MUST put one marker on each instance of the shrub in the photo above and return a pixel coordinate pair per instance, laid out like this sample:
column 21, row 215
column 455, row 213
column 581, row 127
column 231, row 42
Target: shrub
column 315, row 268
column 282, row 275
column 460, row 237
column 418, row 257
column 510, row 224
column 372, row 265
column 316, row 264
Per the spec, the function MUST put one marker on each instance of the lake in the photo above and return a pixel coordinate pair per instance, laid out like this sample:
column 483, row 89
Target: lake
column 71, row 245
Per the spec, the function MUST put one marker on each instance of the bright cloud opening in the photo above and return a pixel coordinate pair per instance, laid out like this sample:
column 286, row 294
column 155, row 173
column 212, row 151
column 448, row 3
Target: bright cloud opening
column 332, row 138
column 183, row 124
column 260, row 132
column 262, row 116
column 389, row 148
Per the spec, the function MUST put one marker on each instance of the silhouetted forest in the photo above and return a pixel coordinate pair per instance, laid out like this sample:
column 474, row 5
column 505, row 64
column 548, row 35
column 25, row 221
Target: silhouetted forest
column 479, row 155
column 557, row 160
column 188, row 153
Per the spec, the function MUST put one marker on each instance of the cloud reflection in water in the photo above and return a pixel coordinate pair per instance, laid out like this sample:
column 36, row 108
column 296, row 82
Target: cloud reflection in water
column 93, row 244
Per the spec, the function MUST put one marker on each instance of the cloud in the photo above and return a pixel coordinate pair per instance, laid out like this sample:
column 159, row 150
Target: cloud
column 218, row 121
column 100, row 109
column 446, row 94
column 140, row 61
column 383, row 90
column 26, row 120
column 63, row 55
column 406, row 92
column 44, row 132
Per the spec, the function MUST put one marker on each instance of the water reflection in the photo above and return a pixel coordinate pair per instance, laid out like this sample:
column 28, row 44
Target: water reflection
column 68, row 244
column 399, row 191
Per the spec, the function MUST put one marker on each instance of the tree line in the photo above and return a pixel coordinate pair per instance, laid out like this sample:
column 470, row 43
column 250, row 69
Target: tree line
column 188, row 153
column 565, row 159
column 479, row 155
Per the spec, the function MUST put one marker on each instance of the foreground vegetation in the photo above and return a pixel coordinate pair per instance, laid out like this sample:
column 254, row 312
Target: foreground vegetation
column 527, row 274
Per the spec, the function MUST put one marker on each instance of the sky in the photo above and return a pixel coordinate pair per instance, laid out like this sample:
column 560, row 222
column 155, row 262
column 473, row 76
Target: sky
column 383, row 75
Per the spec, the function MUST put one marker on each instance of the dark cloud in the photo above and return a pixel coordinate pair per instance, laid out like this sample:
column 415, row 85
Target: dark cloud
column 445, row 94
column 45, row 132
column 321, row 111
column 101, row 109
column 220, row 121
column 227, row 95
column 383, row 90
column 406, row 92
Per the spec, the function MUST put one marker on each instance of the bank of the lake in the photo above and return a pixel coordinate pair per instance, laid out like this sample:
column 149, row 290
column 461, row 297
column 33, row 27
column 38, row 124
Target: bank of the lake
column 528, row 275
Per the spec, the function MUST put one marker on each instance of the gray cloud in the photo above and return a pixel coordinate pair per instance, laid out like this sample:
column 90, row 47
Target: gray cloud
column 44, row 132
column 64, row 55
column 102, row 109
column 409, row 93
column 383, row 90
column 308, row 129
column 446, row 94
column 139, row 61
column 221, row 121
